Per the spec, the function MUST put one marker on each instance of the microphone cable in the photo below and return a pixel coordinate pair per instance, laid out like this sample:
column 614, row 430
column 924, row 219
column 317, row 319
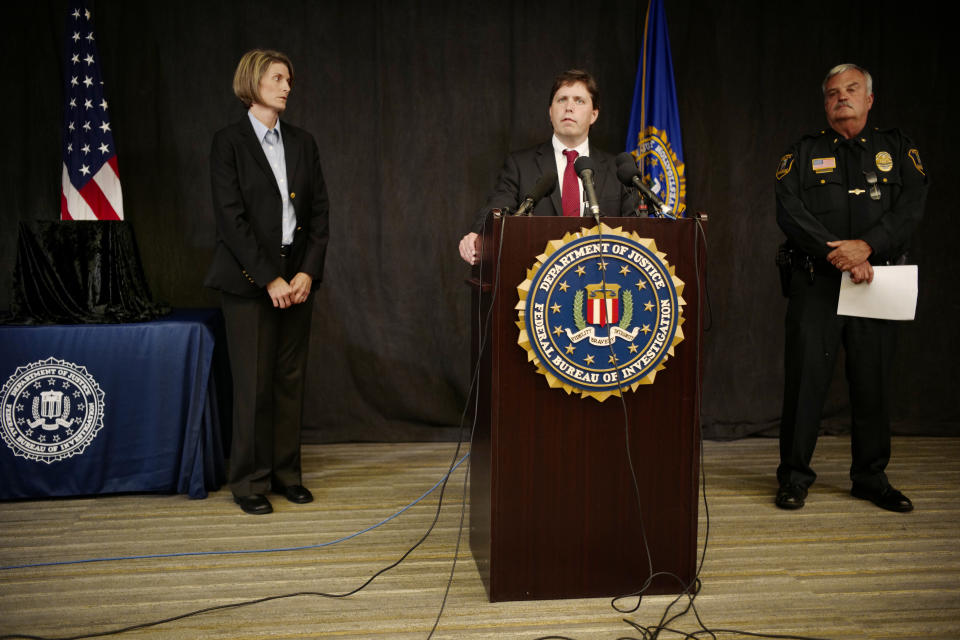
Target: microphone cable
column 246, row 603
column 691, row 590
column 443, row 485
column 483, row 328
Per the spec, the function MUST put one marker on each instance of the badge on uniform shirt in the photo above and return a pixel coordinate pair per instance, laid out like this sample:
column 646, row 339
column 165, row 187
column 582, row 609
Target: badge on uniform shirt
column 914, row 156
column 823, row 165
column 786, row 163
column 884, row 161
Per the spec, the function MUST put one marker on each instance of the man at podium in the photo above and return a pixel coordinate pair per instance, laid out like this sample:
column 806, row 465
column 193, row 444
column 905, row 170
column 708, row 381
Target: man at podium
column 574, row 107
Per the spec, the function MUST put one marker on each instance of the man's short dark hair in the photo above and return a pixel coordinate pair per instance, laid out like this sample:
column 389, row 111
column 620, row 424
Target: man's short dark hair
column 572, row 76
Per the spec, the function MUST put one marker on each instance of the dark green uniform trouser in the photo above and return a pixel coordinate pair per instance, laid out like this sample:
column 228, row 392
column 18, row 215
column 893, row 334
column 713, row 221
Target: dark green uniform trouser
column 814, row 334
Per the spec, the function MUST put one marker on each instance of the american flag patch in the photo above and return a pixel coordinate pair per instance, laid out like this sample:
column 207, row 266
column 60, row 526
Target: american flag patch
column 824, row 165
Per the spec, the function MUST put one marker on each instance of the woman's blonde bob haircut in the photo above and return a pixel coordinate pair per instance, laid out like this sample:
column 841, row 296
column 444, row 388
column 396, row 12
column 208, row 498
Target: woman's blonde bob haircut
column 250, row 70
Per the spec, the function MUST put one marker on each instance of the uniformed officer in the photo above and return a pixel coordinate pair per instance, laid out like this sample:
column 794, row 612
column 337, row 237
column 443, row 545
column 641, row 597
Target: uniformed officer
column 848, row 198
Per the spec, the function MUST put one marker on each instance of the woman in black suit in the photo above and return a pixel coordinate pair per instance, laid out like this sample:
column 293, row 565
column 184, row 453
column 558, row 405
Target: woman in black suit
column 272, row 217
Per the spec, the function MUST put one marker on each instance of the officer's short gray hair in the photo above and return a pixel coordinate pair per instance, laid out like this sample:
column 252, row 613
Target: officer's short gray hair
column 847, row 66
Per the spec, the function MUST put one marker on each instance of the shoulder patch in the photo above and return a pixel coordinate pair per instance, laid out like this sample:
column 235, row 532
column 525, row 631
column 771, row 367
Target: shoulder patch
column 786, row 164
column 914, row 156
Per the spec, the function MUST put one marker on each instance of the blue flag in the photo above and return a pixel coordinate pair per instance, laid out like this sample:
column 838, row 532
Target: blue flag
column 654, row 134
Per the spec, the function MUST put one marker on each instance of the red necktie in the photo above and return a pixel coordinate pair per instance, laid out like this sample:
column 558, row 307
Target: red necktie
column 570, row 195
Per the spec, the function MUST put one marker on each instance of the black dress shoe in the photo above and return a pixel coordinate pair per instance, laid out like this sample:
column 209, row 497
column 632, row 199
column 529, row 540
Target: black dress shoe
column 255, row 505
column 886, row 498
column 296, row 493
column 790, row 496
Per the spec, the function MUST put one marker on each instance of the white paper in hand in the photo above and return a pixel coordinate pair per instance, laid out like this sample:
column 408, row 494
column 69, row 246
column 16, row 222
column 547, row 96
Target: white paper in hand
column 891, row 296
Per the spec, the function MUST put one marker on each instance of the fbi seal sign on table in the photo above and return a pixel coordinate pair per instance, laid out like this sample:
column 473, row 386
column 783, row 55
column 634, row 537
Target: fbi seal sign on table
column 600, row 311
column 50, row 410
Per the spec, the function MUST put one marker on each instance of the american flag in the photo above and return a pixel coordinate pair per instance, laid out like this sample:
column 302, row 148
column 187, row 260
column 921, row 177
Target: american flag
column 821, row 165
column 90, row 186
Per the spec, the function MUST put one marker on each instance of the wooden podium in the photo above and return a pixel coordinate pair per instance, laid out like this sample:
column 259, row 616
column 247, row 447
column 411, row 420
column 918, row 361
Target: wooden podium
column 554, row 512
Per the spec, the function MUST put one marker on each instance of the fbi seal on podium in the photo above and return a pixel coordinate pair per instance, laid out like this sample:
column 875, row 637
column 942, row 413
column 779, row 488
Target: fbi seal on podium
column 50, row 410
column 600, row 312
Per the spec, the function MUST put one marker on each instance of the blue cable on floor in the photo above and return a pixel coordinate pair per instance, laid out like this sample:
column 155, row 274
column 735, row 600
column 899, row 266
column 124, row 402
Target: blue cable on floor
column 225, row 553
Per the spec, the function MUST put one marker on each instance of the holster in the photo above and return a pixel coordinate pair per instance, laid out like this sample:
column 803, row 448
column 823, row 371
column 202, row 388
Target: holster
column 785, row 267
column 790, row 260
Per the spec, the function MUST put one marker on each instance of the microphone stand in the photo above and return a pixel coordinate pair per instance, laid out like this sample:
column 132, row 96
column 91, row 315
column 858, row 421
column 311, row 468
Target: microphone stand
column 651, row 205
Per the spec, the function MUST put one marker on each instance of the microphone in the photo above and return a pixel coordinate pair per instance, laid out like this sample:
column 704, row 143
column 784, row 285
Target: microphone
column 629, row 175
column 584, row 168
column 545, row 186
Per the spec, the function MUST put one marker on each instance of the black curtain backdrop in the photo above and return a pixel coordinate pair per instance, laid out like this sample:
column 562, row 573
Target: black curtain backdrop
column 414, row 106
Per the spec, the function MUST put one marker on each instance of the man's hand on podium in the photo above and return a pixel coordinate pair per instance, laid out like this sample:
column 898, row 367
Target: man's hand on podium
column 469, row 248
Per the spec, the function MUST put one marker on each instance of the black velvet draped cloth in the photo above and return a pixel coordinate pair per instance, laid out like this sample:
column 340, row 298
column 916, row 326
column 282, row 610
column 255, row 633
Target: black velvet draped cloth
column 79, row 273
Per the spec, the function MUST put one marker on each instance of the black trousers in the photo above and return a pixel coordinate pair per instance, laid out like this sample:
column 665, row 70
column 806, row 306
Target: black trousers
column 268, row 356
column 814, row 334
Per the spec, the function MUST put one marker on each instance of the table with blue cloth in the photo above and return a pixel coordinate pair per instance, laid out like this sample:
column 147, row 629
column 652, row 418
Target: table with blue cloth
column 91, row 409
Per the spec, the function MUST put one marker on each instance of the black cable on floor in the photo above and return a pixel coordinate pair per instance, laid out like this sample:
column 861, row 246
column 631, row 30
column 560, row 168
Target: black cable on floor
column 473, row 390
column 692, row 589
column 246, row 603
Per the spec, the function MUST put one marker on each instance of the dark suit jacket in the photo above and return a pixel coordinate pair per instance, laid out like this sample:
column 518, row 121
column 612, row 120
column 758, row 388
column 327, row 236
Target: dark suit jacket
column 248, row 211
column 523, row 169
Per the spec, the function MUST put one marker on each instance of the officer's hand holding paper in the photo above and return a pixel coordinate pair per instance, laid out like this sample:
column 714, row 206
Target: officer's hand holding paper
column 891, row 296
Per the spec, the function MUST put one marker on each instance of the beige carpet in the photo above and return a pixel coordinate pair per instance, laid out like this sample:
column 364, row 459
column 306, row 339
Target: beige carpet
column 839, row 568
